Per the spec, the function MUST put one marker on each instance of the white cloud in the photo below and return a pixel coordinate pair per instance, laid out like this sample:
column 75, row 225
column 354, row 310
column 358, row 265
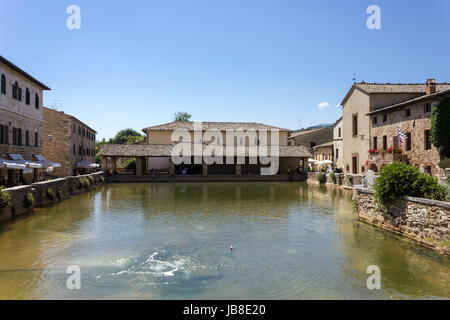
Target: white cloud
column 324, row 105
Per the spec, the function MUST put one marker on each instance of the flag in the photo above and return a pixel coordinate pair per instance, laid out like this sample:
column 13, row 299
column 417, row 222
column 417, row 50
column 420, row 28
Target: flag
column 402, row 137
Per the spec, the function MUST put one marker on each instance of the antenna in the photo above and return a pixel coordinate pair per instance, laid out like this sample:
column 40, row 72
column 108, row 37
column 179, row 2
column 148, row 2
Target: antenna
column 56, row 104
column 354, row 78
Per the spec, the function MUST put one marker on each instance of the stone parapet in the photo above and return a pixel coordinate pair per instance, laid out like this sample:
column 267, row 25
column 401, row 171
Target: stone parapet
column 427, row 221
column 66, row 186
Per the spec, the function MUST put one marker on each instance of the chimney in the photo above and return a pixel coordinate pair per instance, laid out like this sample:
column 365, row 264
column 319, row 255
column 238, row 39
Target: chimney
column 431, row 86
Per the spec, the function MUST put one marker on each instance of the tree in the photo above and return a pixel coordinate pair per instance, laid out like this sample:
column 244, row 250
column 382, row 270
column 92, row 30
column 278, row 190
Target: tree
column 123, row 136
column 440, row 127
column 182, row 116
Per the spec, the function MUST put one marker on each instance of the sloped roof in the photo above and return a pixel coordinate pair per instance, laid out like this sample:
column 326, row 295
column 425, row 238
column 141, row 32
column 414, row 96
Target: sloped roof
column 411, row 101
column 23, row 73
column 303, row 133
column 394, row 88
column 165, row 150
column 212, row 125
column 326, row 144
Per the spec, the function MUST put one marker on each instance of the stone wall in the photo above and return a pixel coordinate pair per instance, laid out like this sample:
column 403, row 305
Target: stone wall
column 67, row 136
column 414, row 123
column 67, row 186
column 427, row 221
column 342, row 179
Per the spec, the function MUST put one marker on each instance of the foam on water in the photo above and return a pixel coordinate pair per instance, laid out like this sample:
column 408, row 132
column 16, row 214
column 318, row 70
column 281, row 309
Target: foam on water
column 155, row 266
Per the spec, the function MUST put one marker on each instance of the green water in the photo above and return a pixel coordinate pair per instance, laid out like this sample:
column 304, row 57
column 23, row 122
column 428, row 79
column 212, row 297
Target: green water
column 172, row 241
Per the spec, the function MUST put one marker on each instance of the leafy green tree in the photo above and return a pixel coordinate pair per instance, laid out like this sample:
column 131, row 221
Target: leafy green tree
column 182, row 116
column 123, row 135
column 440, row 127
column 135, row 139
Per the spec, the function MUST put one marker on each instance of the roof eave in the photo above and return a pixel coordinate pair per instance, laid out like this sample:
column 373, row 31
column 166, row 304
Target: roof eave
column 23, row 73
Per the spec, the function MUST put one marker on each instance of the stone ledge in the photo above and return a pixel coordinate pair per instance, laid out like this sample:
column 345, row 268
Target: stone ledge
column 437, row 203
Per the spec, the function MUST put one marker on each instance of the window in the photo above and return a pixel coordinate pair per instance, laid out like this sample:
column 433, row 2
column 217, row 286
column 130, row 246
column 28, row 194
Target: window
column 374, row 120
column 355, row 125
column 427, row 108
column 427, row 140
column 337, row 153
column 384, row 142
column 19, row 94
column 408, row 113
column 36, row 101
column 74, row 129
column 84, row 133
column 384, row 117
column 79, row 131
column 19, row 136
column 14, row 136
column 80, row 150
column 340, row 132
column 363, row 169
column 27, row 138
column 2, row 134
column 27, row 97
column 74, row 149
column 36, row 139
column 427, row 169
column 3, row 84
column 408, row 141
column 375, row 142
column 15, row 89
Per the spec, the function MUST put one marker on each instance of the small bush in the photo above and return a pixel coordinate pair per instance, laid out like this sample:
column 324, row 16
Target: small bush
column 91, row 180
column 130, row 165
column 427, row 186
column 59, row 195
column 28, row 200
column 50, row 194
column 5, row 199
column 398, row 180
column 333, row 177
column 350, row 179
column 322, row 178
column 85, row 183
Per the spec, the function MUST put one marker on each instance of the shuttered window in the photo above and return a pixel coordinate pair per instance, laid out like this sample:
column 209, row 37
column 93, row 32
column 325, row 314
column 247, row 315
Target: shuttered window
column 36, row 140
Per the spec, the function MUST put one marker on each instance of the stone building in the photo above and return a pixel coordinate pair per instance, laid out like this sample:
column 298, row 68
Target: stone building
column 21, row 115
column 413, row 118
column 158, row 150
column 361, row 99
column 311, row 138
column 338, row 131
column 68, row 141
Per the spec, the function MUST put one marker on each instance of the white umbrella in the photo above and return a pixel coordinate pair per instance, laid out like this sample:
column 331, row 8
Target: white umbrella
column 312, row 160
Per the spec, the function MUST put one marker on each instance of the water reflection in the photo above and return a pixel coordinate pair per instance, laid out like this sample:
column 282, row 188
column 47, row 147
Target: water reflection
column 171, row 241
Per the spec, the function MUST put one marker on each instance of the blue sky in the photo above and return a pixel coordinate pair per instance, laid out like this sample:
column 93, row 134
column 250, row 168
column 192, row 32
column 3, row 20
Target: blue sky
column 135, row 63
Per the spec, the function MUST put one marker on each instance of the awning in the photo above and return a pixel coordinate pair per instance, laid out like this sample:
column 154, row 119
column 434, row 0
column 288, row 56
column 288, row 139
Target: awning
column 10, row 164
column 87, row 165
column 17, row 158
column 45, row 163
column 325, row 162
